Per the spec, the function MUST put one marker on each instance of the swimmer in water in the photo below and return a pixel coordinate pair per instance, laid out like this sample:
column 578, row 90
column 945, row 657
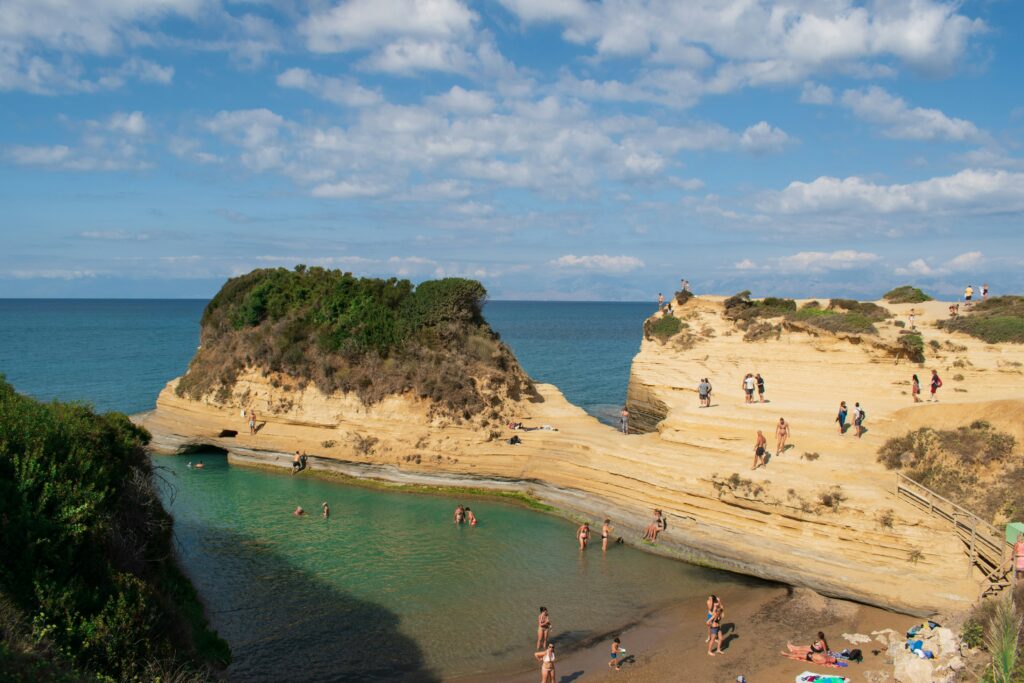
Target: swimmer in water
column 460, row 514
column 471, row 517
column 200, row 465
column 327, row 509
column 583, row 535
column 299, row 511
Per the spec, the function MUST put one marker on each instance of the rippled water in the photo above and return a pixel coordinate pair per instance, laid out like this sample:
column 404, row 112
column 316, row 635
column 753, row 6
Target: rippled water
column 388, row 588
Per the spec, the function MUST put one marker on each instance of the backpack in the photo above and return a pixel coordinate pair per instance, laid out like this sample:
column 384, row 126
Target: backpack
column 863, row 415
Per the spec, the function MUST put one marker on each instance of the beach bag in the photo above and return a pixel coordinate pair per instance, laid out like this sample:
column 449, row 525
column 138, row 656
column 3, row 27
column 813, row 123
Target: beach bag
column 863, row 415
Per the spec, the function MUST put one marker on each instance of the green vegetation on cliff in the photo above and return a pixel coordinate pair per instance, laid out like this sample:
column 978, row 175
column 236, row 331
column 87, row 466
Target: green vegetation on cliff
column 841, row 315
column 89, row 589
column 369, row 336
column 973, row 466
column 906, row 295
column 1000, row 319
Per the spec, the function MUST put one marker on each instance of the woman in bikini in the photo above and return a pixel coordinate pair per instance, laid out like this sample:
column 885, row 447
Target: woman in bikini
column 654, row 528
column 819, row 646
column 804, row 654
column 471, row 517
column 715, row 629
column 583, row 535
column 713, row 602
column 781, row 435
column 606, row 531
column 460, row 514
column 546, row 658
column 543, row 628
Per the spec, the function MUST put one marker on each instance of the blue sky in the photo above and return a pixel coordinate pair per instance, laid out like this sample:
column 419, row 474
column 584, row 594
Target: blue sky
column 554, row 149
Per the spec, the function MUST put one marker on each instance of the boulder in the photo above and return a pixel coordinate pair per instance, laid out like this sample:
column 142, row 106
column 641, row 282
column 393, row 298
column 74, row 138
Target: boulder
column 948, row 643
column 956, row 663
column 913, row 669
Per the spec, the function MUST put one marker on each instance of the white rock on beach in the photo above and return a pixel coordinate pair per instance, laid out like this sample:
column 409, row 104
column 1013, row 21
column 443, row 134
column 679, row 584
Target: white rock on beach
column 948, row 643
column 912, row 669
column 886, row 636
column 857, row 638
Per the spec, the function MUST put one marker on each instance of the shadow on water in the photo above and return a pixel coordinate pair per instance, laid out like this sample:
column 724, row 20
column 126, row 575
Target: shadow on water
column 288, row 625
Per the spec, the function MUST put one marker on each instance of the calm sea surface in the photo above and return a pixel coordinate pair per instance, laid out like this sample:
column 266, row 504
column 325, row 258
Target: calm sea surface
column 387, row 588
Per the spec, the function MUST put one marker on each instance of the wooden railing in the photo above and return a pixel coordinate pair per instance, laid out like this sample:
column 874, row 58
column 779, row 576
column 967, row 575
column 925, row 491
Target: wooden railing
column 986, row 545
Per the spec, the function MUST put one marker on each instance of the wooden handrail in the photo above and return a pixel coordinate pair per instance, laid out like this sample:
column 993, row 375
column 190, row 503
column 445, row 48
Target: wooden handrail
column 929, row 494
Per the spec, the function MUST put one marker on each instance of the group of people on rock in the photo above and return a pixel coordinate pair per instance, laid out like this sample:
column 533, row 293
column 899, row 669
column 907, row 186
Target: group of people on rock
column 464, row 515
column 752, row 382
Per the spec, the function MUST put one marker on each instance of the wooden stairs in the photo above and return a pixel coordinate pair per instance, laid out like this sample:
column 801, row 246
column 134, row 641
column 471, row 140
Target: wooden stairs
column 985, row 545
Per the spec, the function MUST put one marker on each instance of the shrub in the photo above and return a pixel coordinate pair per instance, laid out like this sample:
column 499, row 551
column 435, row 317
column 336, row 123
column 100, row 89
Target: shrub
column 869, row 310
column 900, row 323
column 906, row 295
column 740, row 307
column 998, row 320
column 913, row 345
column 683, row 296
column 665, row 327
column 972, row 634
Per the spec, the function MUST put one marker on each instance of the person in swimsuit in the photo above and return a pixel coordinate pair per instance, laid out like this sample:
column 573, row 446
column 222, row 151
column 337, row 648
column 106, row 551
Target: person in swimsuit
column 803, row 654
column 819, row 646
column 583, row 535
column 760, row 387
column 1018, row 558
column 624, row 420
column 715, row 631
column 543, row 628
column 252, row 421
column 841, row 417
column 460, row 514
column 606, row 531
column 748, row 388
column 915, row 389
column 654, row 528
column 759, row 450
column 713, row 602
column 200, row 465
column 936, row 383
column 299, row 511
column 326, row 508
column 296, row 464
column 471, row 517
column 781, row 435
column 615, row 662
column 546, row 657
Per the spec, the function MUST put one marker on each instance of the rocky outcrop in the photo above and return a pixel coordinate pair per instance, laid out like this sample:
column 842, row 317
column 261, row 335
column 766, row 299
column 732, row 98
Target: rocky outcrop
column 822, row 514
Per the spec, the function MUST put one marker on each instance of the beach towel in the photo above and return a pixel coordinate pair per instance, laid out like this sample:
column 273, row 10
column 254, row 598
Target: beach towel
column 811, row 677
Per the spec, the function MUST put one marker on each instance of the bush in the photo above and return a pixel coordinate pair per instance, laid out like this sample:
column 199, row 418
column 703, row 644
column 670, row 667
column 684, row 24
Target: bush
column 683, row 296
column 998, row 320
column 87, row 546
column 740, row 307
column 906, row 295
column 369, row 336
column 913, row 345
column 665, row 327
column 871, row 311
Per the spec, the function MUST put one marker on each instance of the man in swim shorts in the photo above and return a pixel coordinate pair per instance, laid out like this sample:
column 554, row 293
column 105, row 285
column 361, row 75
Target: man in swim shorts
column 759, row 450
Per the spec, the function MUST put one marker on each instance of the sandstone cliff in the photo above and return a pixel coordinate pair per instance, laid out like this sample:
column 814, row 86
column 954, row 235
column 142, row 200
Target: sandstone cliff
column 822, row 514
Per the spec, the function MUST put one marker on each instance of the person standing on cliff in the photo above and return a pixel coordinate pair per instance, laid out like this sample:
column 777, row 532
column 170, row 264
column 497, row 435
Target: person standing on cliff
column 661, row 301
column 759, row 450
column 1018, row 558
column 841, row 417
column 936, row 383
column 624, row 420
column 760, row 387
column 749, row 384
column 704, row 392
column 781, row 436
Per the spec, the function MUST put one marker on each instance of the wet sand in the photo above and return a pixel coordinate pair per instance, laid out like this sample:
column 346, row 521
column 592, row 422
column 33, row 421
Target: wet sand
column 669, row 645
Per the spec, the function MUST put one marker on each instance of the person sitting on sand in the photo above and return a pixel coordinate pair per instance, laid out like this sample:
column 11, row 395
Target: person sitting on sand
column 781, row 435
column 299, row 511
column 715, row 626
column 543, row 628
column 460, row 514
column 471, row 517
column 805, row 655
column 547, row 663
column 819, row 646
column 583, row 535
column 759, row 449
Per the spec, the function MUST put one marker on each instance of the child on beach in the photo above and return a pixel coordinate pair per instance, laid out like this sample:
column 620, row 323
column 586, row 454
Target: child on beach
column 617, row 649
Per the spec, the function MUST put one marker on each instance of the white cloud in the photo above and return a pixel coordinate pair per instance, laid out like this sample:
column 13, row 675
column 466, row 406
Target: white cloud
column 815, row 93
column 599, row 262
column 820, row 261
column 133, row 123
column 762, row 138
column 973, row 191
column 114, row 235
column 39, row 156
column 964, row 262
column 52, row 274
column 904, row 122
column 406, row 56
column 348, row 189
column 344, row 91
column 916, row 267
column 463, row 101
column 745, row 264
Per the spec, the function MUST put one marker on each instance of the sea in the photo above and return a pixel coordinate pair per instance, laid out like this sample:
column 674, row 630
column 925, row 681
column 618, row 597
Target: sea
column 387, row 588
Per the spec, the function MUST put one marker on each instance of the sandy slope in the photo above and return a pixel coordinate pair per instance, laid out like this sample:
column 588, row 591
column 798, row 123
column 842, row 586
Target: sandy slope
column 771, row 527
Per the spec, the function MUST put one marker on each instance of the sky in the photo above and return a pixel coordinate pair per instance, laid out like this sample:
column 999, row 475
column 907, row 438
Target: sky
column 553, row 149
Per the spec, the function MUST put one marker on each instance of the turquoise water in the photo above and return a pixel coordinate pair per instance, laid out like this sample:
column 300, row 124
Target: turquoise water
column 388, row 588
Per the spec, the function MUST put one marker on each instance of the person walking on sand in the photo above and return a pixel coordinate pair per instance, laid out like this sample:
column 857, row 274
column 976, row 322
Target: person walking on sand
column 617, row 649
column 606, row 531
column 1018, row 558
column 546, row 658
column 915, row 389
column 912, row 319
column 759, row 448
column 543, row 628
column 841, row 417
column 858, row 418
column 760, row 387
column 749, row 384
column 715, row 627
column 935, row 384
column 714, row 602
column 781, row 435
column 583, row 535
column 624, row 420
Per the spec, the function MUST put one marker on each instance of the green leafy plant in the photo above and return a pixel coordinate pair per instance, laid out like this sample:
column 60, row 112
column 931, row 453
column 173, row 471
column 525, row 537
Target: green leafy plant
column 998, row 320
column 665, row 327
column 1003, row 642
column 906, row 295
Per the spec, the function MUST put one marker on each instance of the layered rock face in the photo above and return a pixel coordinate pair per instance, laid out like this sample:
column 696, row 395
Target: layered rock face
column 823, row 514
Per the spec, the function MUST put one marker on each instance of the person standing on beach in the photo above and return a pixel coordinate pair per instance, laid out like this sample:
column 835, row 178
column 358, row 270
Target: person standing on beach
column 615, row 662
column 252, row 421
column 968, row 295
column 760, row 387
column 858, row 418
column 749, row 384
column 714, row 602
column 624, row 420
column 781, row 435
column 759, row 450
column 912, row 319
column 936, row 383
column 543, row 628
column 547, row 663
column 606, row 531
column 841, row 417
column 715, row 627
column 583, row 535
column 915, row 389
